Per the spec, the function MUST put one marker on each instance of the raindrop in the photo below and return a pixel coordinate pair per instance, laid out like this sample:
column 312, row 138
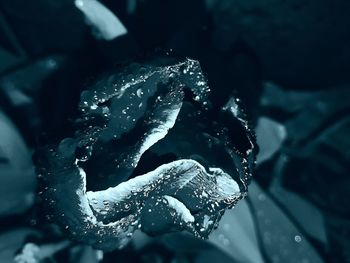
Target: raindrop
column 139, row 93
column 297, row 238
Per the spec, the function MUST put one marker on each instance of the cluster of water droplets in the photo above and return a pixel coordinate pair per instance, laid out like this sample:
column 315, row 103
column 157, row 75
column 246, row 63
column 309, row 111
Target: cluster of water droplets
column 122, row 116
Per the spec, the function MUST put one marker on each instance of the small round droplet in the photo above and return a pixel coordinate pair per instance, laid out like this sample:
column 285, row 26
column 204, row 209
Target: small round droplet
column 297, row 238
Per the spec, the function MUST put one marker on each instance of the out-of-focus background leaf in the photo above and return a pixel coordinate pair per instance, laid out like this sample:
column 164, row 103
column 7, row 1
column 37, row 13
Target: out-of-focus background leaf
column 17, row 178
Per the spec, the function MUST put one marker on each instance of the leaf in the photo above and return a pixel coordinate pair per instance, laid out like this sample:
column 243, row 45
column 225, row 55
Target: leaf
column 11, row 242
column 281, row 239
column 17, row 177
column 310, row 218
column 236, row 235
column 105, row 23
column 34, row 253
column 270, row 136
column 315, row 162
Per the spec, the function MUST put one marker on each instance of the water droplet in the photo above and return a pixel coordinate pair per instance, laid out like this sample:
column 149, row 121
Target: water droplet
column 139, row 93
column 297, row 238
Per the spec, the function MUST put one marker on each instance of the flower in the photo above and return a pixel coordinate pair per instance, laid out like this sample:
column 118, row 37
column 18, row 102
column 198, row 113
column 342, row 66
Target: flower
column 149, row 151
